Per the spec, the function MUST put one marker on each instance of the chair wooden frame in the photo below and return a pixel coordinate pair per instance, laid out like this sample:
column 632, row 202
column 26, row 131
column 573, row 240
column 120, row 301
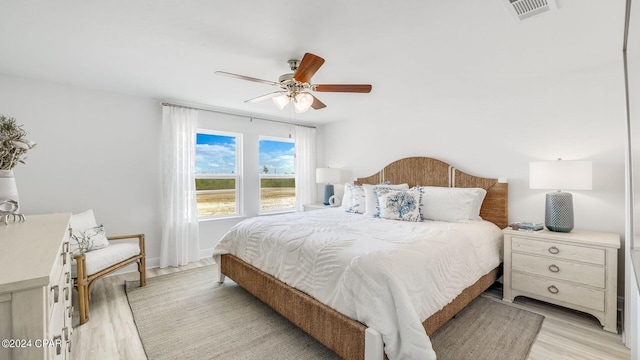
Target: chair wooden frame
column 83, row 283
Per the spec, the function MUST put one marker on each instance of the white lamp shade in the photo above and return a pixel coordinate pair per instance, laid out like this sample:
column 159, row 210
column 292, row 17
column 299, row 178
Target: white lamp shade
column 560, row 175
column 281, row 101
column 327, row 175
column 302, row 102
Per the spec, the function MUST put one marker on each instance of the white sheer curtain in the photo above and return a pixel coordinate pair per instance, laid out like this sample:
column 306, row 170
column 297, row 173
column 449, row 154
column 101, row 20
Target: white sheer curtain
column 180, row 244
column 305, row 145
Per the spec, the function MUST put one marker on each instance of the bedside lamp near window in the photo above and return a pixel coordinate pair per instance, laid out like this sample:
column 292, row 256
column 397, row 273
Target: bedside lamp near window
column 560, row 175
column 327, row 176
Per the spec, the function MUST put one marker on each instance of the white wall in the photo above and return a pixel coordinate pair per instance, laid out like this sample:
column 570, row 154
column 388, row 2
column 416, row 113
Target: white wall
column 493, row 125
column 95, row 150
column 101, row 150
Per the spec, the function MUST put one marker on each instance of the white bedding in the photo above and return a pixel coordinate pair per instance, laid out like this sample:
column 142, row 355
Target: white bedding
column 389, row 275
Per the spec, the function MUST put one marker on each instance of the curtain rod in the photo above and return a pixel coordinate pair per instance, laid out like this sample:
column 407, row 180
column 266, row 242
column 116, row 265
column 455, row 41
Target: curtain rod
column 233, row 114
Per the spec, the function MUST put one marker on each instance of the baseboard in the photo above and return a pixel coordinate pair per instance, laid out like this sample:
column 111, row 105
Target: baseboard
column 153, row 263
column 206, row 253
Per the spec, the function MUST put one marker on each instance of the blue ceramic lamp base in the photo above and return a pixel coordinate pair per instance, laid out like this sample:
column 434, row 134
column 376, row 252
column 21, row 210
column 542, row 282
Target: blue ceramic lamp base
column 328, row 192
column 558, row 215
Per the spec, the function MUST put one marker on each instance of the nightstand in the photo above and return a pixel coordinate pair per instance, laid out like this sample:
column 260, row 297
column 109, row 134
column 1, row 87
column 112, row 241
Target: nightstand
column 577, row 270
column 311, row 207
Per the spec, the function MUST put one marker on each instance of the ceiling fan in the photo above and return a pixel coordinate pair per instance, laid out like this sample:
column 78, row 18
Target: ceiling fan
column 296, row 86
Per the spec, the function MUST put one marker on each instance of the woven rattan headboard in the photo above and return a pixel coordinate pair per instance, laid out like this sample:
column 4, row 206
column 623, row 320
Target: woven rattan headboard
column 425, row 171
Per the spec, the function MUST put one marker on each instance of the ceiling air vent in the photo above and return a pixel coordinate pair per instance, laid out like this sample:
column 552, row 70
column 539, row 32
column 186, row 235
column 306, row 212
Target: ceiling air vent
column 523, row 9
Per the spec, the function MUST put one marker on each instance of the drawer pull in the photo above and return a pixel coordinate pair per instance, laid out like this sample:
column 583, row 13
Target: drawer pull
column 65, row 333
column 65, row 247
column 69, row 346
column 64, row 258
column 66, row 293
column 554, row 268
column 58, row 341
column 67, row 277
column 553, row 289
column 554, row 250
column 70, row 311
column 56, row 292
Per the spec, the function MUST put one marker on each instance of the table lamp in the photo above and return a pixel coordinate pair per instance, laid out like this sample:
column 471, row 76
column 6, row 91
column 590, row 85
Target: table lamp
column 327, row 176
column 560, row 175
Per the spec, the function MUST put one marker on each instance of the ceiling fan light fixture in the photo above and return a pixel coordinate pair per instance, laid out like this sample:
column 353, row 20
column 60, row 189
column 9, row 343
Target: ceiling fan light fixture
column 302, row 102
column 297, row 85
column 281, row 101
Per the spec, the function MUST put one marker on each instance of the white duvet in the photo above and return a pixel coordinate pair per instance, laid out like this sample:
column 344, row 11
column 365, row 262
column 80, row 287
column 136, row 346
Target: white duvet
column 389, row 275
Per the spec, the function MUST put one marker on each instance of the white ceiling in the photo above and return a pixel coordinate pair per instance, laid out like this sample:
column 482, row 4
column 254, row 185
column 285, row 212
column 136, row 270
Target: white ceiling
column 408, row 50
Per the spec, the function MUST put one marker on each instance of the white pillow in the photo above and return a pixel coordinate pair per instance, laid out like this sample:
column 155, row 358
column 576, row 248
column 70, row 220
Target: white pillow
column 451, row 204
column 346, row 197
column 353, row 199
column 479, row 195
column 399, row 204
column 371, row 199
column 86, row 235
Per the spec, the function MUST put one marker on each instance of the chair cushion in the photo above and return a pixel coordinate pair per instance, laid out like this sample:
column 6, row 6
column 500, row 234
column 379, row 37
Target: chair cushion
column 101, row 259
column 86, row 234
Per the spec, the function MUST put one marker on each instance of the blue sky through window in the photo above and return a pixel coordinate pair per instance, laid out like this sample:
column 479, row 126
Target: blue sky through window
column 215, row 154
column 276, row 156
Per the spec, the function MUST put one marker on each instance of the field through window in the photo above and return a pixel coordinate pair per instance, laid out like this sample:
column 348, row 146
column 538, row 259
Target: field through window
column 216, row 197
column 277, row 194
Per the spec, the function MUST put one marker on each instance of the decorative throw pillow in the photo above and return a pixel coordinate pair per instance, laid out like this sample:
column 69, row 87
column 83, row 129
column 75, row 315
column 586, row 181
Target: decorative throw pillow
column 88, row 240
column 86, row 235
column 346, row 197
column 451, row 200
column 355, row 200
column 371, row 198
column 399, row 204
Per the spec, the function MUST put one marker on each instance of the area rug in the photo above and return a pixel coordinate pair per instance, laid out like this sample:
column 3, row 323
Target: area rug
column 487, row 330
column 188, row 315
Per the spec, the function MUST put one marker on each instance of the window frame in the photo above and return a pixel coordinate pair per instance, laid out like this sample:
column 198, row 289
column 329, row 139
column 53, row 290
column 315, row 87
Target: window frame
column 237, row 176
column 274, row 176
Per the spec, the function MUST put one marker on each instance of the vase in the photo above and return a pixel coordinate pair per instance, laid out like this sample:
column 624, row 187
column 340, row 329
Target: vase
column 8, row 188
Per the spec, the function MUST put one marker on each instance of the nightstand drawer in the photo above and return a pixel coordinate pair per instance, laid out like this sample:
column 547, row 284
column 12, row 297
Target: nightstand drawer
column 559, row 250
column 557, row 290
column 559, row 269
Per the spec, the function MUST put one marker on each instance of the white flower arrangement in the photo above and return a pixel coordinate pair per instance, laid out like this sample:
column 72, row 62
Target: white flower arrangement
column 13, row 143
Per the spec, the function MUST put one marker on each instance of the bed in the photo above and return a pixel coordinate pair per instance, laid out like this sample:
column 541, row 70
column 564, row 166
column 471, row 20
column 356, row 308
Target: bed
column 352, row 339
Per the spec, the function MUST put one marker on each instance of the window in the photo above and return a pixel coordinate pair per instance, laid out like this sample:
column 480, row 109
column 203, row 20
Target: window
column 277, row 174
column 218, row 173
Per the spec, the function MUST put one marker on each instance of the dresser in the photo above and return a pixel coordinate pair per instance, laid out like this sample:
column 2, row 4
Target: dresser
column 36, row 288
column 577, row 270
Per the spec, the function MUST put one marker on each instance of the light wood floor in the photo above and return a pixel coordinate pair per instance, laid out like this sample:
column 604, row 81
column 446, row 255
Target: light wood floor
column 111, row 332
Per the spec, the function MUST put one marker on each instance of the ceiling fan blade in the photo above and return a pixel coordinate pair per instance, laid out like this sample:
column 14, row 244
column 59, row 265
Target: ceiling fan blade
column 317, row 104
column 264, row 97
column 308, row 66
column 242, row 77
column 353, row 88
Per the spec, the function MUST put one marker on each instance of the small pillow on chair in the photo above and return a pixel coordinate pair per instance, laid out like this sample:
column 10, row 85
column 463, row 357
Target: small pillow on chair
column 86, row 234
